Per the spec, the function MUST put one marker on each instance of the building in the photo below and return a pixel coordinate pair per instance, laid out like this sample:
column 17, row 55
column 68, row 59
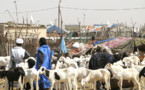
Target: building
column 74, row 27
column 10, row 31
column 22, row 30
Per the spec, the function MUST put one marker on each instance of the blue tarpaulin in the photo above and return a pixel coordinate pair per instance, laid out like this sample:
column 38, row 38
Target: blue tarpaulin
column 54, row 28
column 98, row 42
column 100, row 25
column 62, row 46
column 114, row 25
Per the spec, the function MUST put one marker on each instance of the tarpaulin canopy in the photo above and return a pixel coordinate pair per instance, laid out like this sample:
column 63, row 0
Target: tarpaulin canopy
column 131, row 45
column 126, row 47
column 140, row 44
column 54, row 28
column 116, row 42
column 114, row 25
column 98, row 42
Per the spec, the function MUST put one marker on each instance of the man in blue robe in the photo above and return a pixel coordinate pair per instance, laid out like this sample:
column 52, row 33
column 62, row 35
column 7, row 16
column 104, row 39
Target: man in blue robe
column 43, row 59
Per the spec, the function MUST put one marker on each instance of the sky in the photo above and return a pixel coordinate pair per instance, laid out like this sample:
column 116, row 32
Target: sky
column 87, row 13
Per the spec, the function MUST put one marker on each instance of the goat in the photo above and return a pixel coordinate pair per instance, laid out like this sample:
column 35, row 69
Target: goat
column 98, row 75
column 61, row 75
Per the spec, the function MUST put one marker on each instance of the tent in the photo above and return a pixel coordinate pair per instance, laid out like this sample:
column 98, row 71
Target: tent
column 55, row 28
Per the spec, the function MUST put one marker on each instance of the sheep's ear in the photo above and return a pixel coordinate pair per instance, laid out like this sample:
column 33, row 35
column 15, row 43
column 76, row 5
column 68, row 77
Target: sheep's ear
column 42, row 69
column 63, row 62
column 109, row 64
column 123, row 63
column 47, row 73
column 2, row 74
column 57, row 77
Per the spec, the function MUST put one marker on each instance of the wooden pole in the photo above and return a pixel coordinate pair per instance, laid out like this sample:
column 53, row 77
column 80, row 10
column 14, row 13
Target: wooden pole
column 16, row 10
column 59, row 13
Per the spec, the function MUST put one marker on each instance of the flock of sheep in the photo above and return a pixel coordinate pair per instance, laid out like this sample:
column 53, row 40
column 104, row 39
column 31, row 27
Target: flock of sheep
column 70, row 71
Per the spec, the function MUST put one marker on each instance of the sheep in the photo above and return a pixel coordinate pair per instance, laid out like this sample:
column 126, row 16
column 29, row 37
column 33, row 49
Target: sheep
column 142, row 77
column 120, row 63
column 68, row 61
column 24, row 64
column 124, row 74
column 141, row 70
column 143, row 62
column 84, row 61
column 101, row 48
column 4, row 61
column 133, row 59
column 133, row 54
column 13, row 74
column 61, row 75
column 82, row 72
column 98, row 75
column 31, row 73
column 60, row 65
column 53, row 62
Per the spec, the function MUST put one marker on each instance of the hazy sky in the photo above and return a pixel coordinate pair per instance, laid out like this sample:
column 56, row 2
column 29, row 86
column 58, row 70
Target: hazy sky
column 71, row 16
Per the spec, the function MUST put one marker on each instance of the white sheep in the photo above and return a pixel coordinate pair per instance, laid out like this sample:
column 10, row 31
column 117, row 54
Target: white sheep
column 133, row 59
column 68, row 61
column 60, row 65
column 143, row 62
column 125, row 74
column 68, row 75
column 98, row 75
column 82, row 73
column 120, row 63
column 141, row 71
column 31, row 75
column 103, row 48
column 4, row 61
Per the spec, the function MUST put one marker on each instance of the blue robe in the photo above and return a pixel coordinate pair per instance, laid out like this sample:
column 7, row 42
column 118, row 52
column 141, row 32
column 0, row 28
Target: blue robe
column 45, row 49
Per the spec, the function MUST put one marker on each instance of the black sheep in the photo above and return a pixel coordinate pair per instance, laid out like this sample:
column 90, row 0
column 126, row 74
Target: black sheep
column 12, row 75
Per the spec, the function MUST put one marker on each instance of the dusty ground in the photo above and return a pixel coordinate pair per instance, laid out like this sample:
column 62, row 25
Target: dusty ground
column 87, row 87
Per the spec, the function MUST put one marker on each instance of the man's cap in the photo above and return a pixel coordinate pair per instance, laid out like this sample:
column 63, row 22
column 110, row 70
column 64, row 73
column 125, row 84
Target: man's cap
column 19, row 41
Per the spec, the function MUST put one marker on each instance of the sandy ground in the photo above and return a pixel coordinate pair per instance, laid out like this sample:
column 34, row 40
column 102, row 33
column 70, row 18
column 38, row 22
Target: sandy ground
column 87, row 86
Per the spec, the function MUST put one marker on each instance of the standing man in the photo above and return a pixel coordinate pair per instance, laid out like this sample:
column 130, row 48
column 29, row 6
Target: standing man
column 18, row 54
column 43, row 59
column 99, row 60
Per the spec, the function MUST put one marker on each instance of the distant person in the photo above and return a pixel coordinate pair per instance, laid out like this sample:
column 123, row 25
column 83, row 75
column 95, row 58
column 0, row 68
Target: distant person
column 99, row 60
column 18, row 54
column 43, row 59
column 92, row 41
